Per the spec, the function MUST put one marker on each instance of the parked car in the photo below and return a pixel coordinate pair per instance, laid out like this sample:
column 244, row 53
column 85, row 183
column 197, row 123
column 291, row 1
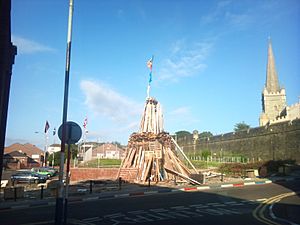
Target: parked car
column 28, row 177
column 52, row 170
column 44, row 171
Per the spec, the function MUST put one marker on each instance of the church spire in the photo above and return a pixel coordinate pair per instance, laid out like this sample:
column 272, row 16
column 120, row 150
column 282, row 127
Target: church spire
column 272, row 84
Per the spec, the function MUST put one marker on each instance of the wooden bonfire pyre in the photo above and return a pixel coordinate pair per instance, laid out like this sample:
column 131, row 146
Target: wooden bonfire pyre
column 152, row 154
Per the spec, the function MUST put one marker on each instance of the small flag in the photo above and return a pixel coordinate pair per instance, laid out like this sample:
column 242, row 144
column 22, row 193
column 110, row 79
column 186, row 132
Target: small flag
column 85, row 123
column 54, row 131
column 47, row 126
column 150, row 77
column 149, row 63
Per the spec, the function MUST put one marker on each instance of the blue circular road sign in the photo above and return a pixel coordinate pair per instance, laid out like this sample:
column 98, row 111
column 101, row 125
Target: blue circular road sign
column 73, row 132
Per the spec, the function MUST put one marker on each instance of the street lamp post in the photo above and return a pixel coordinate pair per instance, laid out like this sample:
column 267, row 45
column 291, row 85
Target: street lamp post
column 53, row 159
column 46, row 148
column 195, row 139
column 44, row 163
column 59, row 199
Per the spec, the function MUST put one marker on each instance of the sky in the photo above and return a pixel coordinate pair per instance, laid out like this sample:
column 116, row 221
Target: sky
column 209, row 65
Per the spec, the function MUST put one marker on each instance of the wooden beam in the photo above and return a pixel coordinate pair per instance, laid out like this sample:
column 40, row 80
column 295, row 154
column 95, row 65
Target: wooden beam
column 183, row 176
column 184, row 155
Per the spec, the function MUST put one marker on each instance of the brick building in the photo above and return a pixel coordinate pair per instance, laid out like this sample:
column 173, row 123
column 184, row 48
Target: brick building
column 29, row 150
column 108, row 151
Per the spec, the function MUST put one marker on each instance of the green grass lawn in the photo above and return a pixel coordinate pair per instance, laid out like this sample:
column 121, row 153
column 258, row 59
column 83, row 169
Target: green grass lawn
column 204, row 165
column 102, row 163
column 117, row 162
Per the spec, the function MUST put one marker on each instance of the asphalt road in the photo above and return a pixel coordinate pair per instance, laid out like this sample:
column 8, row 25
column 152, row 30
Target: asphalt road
column 224, row 206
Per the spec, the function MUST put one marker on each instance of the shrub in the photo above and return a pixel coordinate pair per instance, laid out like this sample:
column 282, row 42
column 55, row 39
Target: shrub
column 240, row 168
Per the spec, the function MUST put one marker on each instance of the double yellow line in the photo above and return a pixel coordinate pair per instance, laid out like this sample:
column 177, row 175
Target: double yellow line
column 258, row 212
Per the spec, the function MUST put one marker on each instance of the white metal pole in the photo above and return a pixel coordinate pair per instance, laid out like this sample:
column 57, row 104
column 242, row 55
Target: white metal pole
column 53, row 159
column 59, row 209
column 45, row 149
column 148, row 91
column 47, row 141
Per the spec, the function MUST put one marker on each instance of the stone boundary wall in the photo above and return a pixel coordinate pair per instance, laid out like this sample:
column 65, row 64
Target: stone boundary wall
column 83, row 174
column 274, row 142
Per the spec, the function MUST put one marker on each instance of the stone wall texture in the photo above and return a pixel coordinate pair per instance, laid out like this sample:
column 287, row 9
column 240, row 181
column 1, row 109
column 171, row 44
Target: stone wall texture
column 83, row 174
column 275, row 142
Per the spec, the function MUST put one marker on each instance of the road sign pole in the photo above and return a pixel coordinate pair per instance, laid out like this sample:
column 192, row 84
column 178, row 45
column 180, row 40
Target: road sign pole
column 67, row 180
column 72, row 135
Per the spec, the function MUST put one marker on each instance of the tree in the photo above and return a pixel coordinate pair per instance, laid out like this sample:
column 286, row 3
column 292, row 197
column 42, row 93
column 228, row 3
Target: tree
column 117, row 143
column 56, row 160
column 74, row 151
column 56, row 155
column 205, row 134
column 241, row 126
column 183, row 137
column 183, row 133
column 205, row 154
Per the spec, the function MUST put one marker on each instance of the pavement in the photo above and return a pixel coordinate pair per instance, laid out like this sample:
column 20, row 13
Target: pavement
column 81, row 192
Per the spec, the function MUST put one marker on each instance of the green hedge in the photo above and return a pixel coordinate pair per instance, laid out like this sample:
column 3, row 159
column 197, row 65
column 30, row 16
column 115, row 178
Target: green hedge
column 240, row 168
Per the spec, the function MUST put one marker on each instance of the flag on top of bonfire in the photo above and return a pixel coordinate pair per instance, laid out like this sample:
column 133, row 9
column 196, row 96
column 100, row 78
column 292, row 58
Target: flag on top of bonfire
column 149, row 65
column 47, row 126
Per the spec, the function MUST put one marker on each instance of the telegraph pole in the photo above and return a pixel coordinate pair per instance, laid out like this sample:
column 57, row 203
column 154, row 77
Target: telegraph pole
column 7, row 57
column 59, row 210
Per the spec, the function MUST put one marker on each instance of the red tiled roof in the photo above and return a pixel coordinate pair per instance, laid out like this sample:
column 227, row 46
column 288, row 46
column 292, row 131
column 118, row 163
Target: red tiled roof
column 28, row 149
column 15, row 154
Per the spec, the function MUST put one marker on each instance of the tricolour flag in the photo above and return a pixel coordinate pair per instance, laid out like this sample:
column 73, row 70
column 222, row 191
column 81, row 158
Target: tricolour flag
column 47, row 126
column 149, row 65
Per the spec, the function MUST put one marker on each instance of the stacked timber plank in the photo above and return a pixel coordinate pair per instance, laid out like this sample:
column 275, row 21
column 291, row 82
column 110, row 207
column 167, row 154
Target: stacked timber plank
column 152, row 118
column 151, row 153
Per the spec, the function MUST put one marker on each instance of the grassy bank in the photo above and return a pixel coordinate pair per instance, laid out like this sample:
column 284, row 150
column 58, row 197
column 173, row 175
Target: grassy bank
column 102, row 163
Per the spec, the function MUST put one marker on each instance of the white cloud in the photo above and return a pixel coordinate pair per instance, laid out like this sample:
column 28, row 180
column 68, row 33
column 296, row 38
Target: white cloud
column 217, row 13
column 176, row 46
column 120, row 114
column 130, row 126
column 26, row 46
column 181, row 118
column 185, row 60
column 224, row 12
column 239, row 20
column 222, row 4
column 181, row 111
column 105, row 101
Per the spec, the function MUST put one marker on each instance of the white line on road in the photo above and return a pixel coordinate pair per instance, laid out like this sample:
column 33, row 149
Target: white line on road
column 261, row 199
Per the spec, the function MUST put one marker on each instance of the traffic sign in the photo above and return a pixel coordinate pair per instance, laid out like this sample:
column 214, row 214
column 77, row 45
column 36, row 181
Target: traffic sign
column 73, row 132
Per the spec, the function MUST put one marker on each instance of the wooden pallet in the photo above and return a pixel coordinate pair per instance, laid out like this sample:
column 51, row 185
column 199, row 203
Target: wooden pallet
column 128, row 174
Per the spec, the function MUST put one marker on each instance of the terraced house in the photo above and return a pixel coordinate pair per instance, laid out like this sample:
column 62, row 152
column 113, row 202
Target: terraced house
column 20, row 156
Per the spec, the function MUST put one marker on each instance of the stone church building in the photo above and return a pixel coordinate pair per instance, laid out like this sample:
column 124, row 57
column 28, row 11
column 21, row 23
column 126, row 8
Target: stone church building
column 274, row 105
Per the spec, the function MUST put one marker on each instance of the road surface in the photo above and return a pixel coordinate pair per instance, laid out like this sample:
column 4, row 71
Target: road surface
column 259, row 204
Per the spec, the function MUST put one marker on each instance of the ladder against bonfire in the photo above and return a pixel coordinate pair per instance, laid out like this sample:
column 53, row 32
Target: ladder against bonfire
column 152, row 154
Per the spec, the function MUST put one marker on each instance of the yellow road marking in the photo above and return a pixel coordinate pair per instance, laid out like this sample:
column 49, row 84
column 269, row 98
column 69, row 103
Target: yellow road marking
column 258, row 212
